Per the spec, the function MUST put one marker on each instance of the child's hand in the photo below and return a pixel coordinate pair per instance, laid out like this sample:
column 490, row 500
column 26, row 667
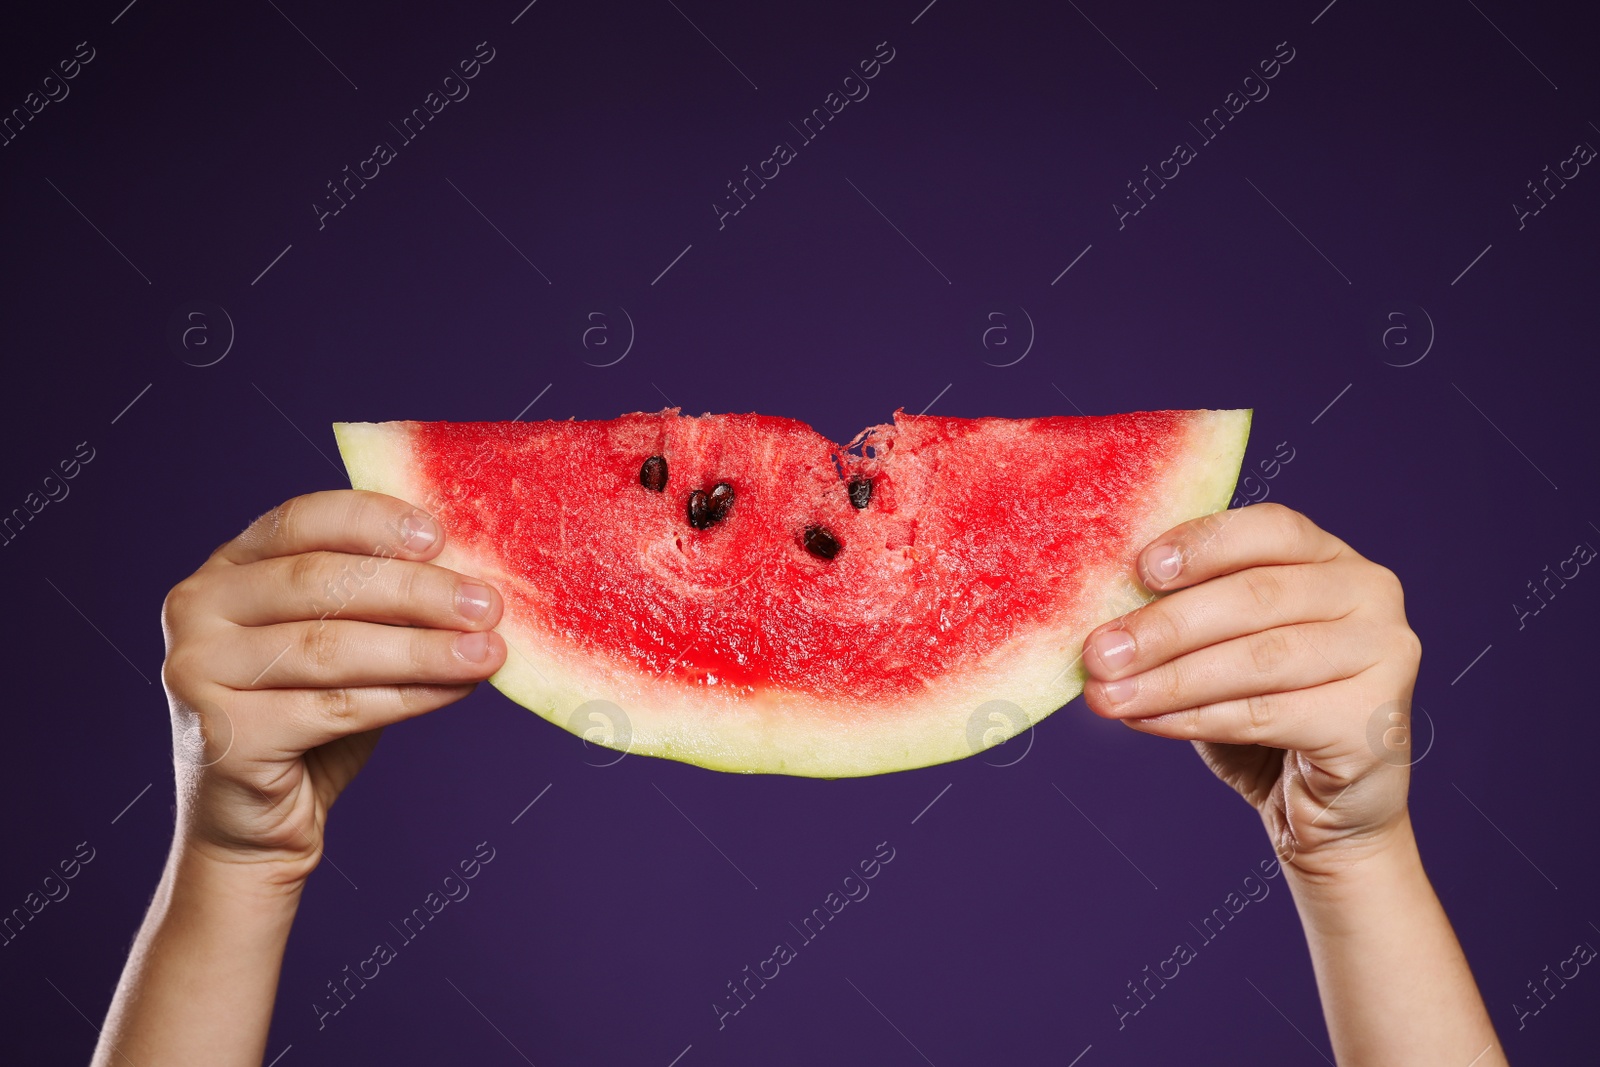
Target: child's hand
column 290, row 650
column 1281, row 654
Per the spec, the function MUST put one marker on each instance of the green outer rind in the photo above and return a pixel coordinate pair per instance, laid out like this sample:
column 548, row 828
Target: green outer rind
column 792, row 733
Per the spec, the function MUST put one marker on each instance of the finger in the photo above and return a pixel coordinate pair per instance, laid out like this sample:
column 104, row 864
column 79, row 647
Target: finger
column 1304, row 720
column 342, row 520
column 1269, row 661
column 1229, row 606
column 341, row 652
column 316, row 716
column 323, row 585
column 1228, row 541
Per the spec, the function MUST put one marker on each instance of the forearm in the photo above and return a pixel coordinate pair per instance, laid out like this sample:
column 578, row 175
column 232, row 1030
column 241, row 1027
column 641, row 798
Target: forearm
column 200, row 980
column 1395, row 985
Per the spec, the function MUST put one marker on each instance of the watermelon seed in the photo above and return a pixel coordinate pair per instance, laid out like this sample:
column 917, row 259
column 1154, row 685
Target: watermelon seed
column 820, row 543
column 706, row 510
column 860, row 490
column 699, row 509
column 721, row 501
column 653, row 475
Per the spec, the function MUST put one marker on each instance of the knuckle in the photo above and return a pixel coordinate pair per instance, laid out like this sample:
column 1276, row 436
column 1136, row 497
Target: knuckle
column 1196, row 537
column 1287, row 526
column 1269, row 650
column 1168, row 685
column 410, row 583
column 415, row 699
column 378, row 518
column 1410, row 647
column 320, row 647
column 1197, row 724
column 308, row 572
column 367, row 516
column 343, row 588
column 1182, row 725
column 1258, row 713
column 181, row 599
column 325, row 580
column 1387, row 582
column 282, row 525
column 1162, row 629
column 180, row 668
column 337, row 705
column 1267, row 589
column 412, row 698
column 422, row 653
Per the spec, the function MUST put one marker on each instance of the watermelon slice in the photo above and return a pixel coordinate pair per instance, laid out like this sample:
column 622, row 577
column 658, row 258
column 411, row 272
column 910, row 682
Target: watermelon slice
column 743, row 594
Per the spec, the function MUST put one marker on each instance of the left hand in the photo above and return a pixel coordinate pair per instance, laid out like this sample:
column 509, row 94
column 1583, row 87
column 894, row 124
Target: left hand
column 1284, row 656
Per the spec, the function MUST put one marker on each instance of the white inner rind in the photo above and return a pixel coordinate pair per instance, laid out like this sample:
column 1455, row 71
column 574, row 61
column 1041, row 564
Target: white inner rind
column 782, row 732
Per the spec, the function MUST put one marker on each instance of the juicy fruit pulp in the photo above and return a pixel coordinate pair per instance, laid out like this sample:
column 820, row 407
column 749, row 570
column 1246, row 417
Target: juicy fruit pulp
column 746, row 595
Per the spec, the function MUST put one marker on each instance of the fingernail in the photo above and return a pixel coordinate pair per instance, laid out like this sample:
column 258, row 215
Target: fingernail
column 473, row 647
column 473, row 601
column 418, row 532
column 1114, row 647
column 1122, row 690
column 1165, row 563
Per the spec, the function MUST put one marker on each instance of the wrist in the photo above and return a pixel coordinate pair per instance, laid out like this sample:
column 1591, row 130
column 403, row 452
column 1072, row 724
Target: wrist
column 1339, row 887
column 1352, row 855
column 201, row 872
column 237, row 853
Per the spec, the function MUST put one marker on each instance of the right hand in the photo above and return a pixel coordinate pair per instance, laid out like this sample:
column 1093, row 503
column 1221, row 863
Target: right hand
column 291, row 648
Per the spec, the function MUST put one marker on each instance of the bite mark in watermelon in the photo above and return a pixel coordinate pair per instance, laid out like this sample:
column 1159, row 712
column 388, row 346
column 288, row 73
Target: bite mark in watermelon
column 969, row 559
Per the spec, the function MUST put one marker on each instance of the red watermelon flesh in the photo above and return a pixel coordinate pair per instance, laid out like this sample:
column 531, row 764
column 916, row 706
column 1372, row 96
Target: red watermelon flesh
column 799, row 633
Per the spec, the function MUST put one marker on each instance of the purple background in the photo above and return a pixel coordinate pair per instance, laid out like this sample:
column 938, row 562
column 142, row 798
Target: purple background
column 187, row 157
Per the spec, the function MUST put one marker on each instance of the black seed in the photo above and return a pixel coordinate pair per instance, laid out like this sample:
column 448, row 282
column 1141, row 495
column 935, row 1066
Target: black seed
column 721, row 501
column 653, row 475
column 699, row 509
column 820, row 543
column 860, row 490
